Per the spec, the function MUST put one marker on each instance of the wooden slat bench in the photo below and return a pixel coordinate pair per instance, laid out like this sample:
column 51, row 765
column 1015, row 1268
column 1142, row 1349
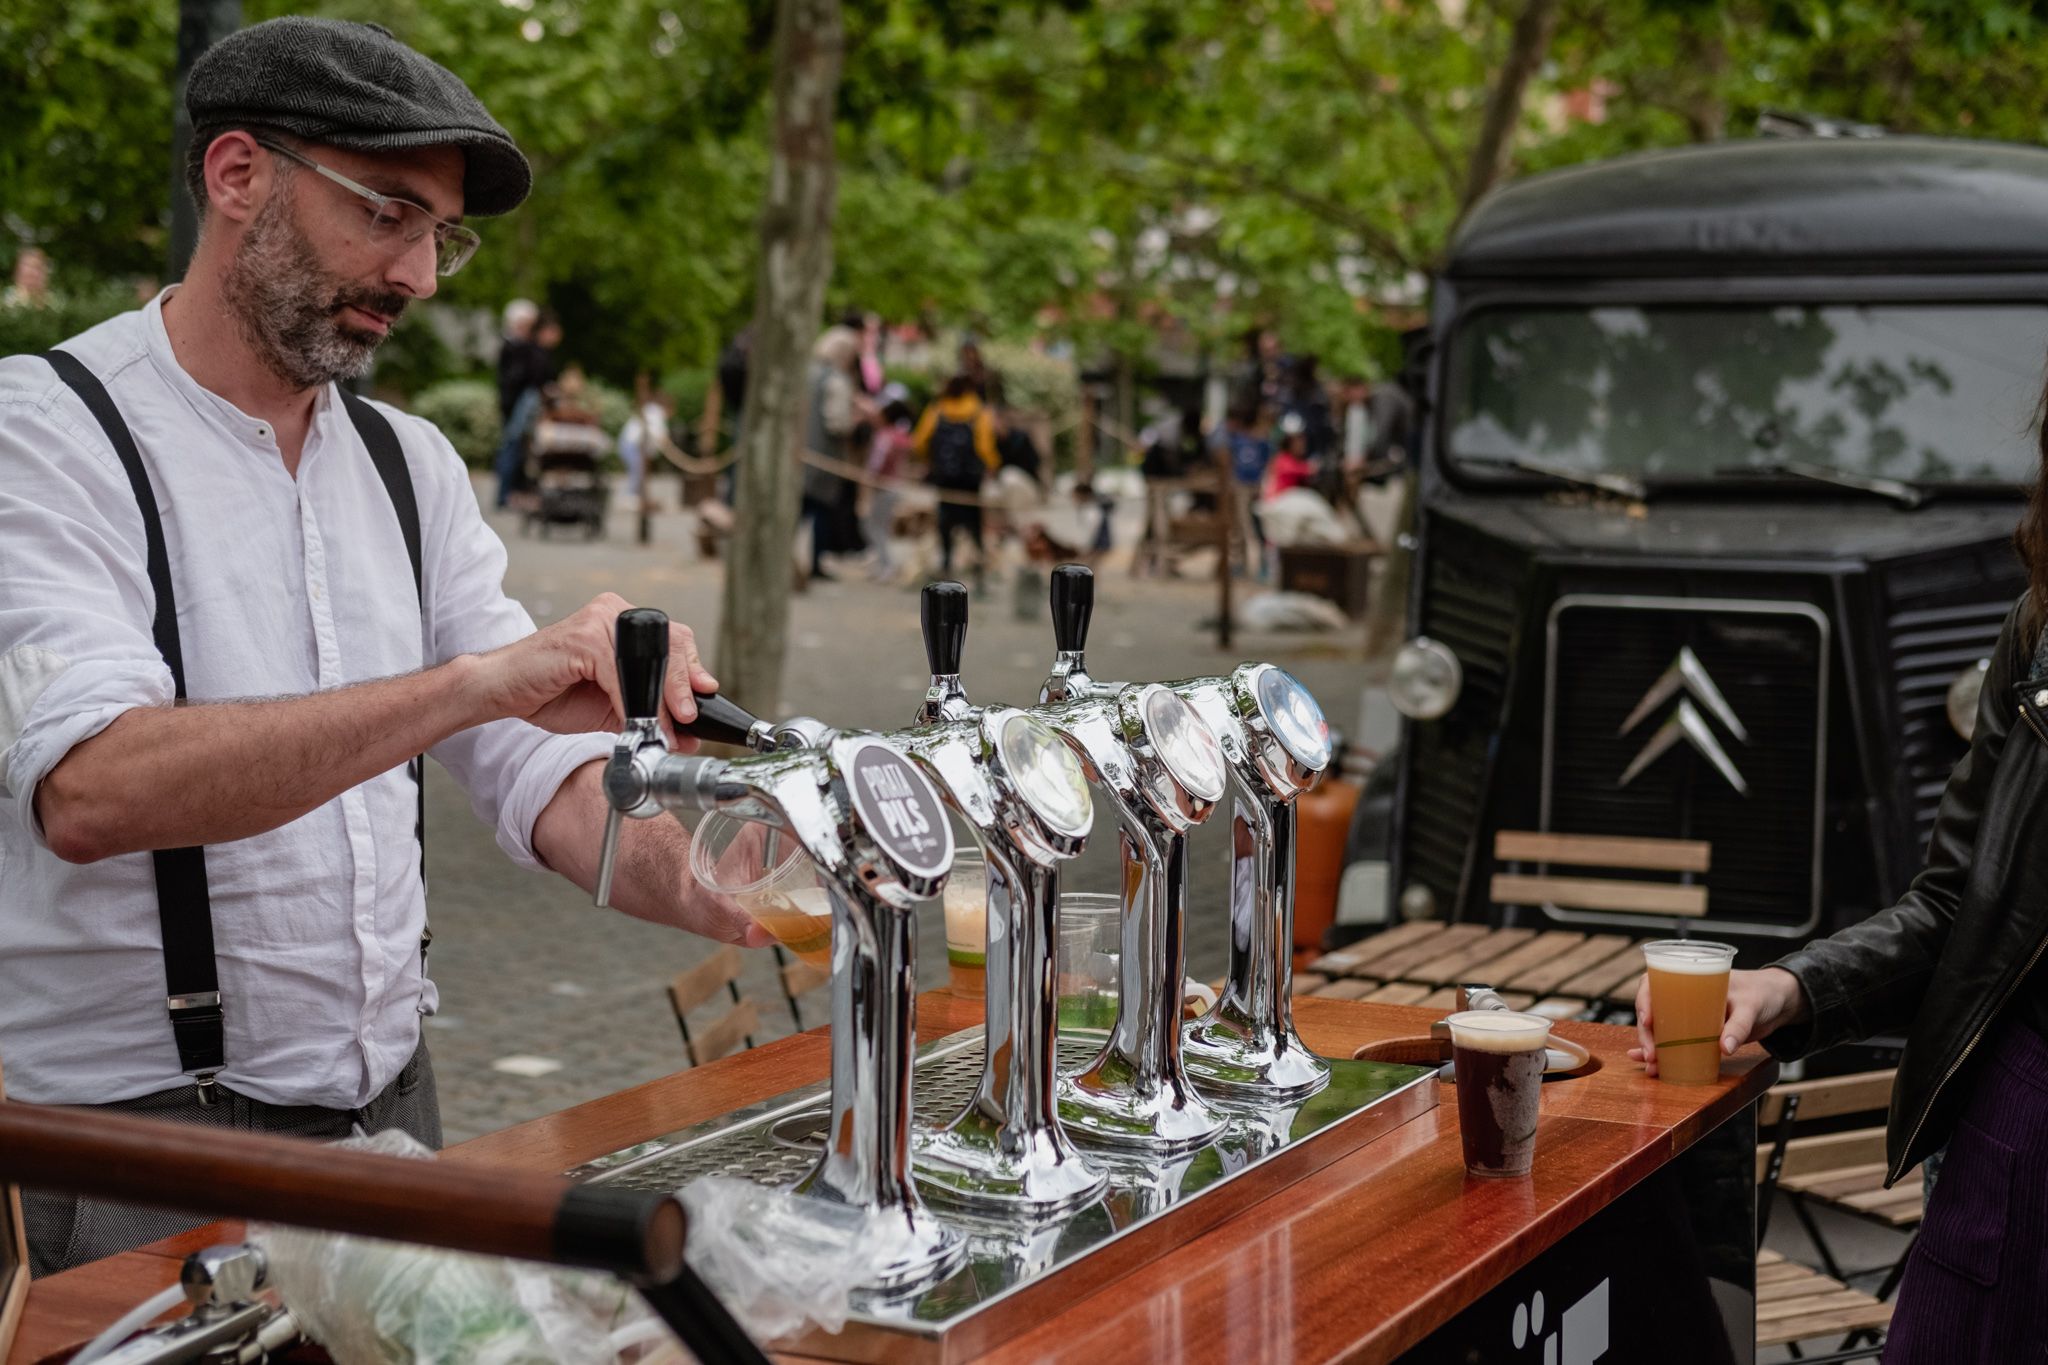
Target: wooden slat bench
column 1560, row 972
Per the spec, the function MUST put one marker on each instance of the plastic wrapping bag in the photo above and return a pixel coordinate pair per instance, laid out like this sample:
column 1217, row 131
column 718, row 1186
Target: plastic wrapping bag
column 371, row 1302
column 779, row 1260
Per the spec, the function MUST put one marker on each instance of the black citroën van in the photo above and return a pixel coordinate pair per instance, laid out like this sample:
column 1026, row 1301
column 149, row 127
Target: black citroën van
column 1722, row 453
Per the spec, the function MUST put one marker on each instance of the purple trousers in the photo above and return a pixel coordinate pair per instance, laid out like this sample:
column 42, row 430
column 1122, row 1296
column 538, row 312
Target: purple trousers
column 1976, row 1282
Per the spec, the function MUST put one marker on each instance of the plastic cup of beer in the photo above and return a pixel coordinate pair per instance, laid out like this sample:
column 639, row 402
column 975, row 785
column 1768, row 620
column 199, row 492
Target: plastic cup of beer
column 1498, row 1057
column 966, row 905
column 1688, row 1005
column 771, row 878
column 1090, row 939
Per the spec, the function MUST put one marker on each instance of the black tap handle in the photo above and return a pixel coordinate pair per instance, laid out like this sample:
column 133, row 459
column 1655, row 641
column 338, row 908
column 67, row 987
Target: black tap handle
column 942, row 608
column 722, row 721
column 1073, row 603
column 642, row 653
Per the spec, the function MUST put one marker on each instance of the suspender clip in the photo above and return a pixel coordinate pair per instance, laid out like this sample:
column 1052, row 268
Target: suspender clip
column 208, row 1088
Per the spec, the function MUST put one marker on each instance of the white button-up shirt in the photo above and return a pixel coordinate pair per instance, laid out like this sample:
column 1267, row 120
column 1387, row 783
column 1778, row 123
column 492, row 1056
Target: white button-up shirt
column 284, row 587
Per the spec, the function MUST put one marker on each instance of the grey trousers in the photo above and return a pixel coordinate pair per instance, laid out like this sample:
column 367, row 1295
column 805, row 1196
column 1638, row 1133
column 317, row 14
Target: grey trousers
column 65, row 1230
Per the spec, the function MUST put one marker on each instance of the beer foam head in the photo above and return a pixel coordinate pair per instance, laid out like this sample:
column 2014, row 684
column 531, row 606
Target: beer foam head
column 1691, row 957
column 1499, row 1031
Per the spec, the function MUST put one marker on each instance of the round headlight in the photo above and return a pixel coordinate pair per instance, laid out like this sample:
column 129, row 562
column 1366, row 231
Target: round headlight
column 1417, row 902
column 1426, row 679
column 1962, row 697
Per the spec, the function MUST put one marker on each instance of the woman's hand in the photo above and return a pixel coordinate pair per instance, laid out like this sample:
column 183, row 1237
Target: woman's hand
column 1759, row 1003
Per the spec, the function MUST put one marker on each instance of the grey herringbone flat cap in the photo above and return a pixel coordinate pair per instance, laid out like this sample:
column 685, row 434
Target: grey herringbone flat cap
column 355, row 86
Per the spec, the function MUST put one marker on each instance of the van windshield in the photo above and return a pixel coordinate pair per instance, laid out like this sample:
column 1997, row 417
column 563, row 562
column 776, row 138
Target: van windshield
column 1941, row 394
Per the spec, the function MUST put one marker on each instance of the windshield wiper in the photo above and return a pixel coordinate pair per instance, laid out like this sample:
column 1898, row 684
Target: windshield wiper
column 1904, row 494
column 1619, row 484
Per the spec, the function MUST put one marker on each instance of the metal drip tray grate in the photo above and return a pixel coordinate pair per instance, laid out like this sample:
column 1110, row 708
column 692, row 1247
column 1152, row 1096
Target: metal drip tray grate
column 943, row 1083
column 1015, row 1273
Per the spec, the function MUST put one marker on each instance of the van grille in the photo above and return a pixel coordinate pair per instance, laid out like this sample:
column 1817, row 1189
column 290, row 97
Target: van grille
column 1768, row 662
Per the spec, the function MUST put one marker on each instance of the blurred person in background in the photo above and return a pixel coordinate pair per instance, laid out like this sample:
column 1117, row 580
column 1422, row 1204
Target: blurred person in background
column 31, row 286
column 1248, row 452
column 1290, row 466
column 889, row 455
column 836, row 408
column 526, row 366
column 646, row 435
column 956, row 439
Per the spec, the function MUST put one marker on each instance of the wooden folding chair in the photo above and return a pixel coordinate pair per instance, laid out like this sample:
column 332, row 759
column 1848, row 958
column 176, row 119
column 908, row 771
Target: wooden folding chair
column 798, row 979
column 1601, row 855
column 1818, row 1154
column 696, row 987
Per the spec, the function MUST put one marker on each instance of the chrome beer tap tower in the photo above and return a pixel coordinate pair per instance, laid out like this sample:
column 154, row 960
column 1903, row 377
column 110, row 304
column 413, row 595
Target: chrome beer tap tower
column 1023, row 791
column 1150, row 752
column 1276, row 744
column 875, row 828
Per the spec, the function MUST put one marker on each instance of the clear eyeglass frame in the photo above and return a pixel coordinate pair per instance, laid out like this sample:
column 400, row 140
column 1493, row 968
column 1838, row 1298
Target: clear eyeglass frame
column 397, row 223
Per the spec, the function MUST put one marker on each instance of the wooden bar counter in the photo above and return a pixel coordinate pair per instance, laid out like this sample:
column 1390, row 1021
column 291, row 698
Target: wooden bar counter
column 1389, row 1250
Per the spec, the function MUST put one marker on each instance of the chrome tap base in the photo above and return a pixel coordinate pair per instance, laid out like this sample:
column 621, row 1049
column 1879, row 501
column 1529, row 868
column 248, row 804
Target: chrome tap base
column 935, row 1250
column 976, row 1165
column 1232, row 1056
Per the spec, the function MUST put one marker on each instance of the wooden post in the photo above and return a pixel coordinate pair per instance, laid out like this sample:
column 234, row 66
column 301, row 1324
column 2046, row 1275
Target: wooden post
column 707, row 425
column 1084, row 438
column 1226, row 520
column 796, row 261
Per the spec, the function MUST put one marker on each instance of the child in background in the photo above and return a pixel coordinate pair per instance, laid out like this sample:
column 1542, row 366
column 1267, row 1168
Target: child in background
column 1291, row 467
column 888, row 458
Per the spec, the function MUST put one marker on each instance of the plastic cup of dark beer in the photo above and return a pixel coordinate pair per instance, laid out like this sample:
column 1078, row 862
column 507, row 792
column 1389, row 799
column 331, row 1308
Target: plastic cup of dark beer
column 1498, row 1057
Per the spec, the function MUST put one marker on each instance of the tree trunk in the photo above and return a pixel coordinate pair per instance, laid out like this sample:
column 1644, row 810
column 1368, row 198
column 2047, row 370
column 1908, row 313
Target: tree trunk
column 1526, row 51
column 201, row 24
column 789, row 301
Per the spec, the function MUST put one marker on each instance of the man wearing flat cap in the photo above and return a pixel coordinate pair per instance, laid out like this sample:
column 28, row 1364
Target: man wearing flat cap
column 239, row 602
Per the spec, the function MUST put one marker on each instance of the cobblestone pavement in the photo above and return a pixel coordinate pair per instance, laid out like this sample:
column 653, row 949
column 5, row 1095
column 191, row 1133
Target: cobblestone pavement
column 547, row 1002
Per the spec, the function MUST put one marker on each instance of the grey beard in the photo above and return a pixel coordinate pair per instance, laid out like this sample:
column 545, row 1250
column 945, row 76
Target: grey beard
column 285, row 306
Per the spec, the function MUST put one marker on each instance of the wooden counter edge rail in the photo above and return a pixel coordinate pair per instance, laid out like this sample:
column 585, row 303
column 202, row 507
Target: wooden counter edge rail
column 484, row 1209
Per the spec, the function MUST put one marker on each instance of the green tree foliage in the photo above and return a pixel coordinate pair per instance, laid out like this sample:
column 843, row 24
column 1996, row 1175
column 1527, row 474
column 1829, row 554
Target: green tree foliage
column 1107, row 169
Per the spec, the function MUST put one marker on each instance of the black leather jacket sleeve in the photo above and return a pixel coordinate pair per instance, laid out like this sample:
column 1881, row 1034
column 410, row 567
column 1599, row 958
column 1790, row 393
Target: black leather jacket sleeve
column 1870, row 978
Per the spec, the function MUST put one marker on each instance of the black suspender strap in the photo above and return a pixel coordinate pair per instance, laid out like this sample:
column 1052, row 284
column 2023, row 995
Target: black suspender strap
column 192, row 987
column 385, row 453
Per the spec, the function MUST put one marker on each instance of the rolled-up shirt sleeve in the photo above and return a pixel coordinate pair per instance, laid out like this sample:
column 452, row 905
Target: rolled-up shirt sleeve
column 510, row 769
column 75, row 601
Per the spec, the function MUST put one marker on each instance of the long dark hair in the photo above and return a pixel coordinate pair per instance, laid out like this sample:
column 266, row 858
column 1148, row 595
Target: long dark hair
column 2030, row 539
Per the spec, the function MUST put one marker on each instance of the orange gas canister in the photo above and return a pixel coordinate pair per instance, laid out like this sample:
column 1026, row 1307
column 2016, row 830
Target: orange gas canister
column 1323, row 817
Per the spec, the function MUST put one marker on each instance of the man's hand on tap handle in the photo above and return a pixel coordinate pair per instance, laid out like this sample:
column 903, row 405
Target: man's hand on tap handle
column 564, row 677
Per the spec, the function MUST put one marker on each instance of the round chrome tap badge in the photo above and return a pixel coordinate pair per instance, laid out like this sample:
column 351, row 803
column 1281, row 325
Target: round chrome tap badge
column 1185, row 743
column 1047, row 774
column 1291, row 710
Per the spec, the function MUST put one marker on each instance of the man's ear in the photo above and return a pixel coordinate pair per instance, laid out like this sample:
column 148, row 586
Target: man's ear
column 238, row 176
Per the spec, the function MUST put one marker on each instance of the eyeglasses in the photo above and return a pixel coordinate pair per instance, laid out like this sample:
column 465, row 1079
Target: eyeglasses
column 398, row 223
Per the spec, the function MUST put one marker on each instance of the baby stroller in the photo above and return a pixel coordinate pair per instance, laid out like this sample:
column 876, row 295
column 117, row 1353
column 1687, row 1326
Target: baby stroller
column 567, row 476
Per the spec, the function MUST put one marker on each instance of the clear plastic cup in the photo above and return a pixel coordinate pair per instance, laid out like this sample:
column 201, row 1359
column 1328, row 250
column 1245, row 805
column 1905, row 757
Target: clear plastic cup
column 1090, row 938
column 1688, row 1005
column 966, row 905
column 770, row 877
column 1498, row 1057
